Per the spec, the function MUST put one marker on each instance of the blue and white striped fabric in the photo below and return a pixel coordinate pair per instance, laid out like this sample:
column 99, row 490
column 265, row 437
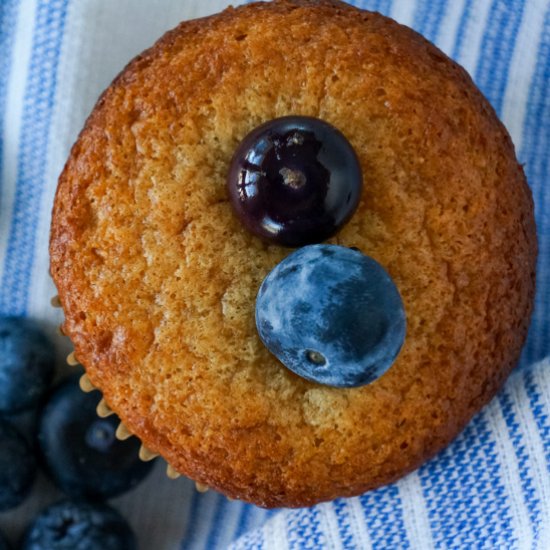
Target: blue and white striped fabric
column 491, row 487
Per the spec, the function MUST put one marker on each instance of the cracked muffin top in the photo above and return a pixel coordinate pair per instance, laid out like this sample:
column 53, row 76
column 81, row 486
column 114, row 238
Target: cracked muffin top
column 158, row 278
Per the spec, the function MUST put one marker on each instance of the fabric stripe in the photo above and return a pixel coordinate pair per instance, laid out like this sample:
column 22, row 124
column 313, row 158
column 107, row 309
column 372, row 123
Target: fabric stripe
column 201, row 524
column 10, row 126
column 254, row 540
column 449, row 26
column 467, row 476
column 344, row 524
column 8, row 18
column 536, row 390
column 497, row 46
column 539, row 401
column 415, row 512
column 535, row 154
column 382, row 6
column 190, row 526
column 428, row 17
column 242, row 524
column 522, row 68
column 510, row 474
column 403, row 11
column 462, row 29
column 251, row 517
column 224, row 514
column 351, row 524
column 359, row 526
column 50, row 19
column 534, row 474
column 304, row 530
column 232, row 519
column 364, row 4
column 228, row 521
column 384, row 517
column 274, row 533
column 523, row 463
column 329, row 525
column 467, row 49
column 249, row 526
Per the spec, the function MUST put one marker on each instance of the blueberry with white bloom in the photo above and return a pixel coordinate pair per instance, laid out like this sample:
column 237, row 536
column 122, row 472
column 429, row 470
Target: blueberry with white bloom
column 331, row 315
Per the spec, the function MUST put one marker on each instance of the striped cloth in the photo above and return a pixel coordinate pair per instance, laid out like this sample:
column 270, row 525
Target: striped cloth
column 491, row 487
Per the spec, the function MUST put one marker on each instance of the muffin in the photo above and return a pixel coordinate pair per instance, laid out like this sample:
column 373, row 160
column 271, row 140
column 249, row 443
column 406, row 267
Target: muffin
column 158, row 278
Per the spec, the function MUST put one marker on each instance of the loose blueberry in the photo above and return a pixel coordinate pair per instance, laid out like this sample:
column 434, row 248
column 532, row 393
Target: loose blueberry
column 331, row 315
column 80, row 450
column 294, row 180
column 77, row 525
column 27, row 361
column 3, row 542
column 17, row 467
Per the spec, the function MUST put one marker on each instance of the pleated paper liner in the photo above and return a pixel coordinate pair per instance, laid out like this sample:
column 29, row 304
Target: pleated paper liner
column 103, row 410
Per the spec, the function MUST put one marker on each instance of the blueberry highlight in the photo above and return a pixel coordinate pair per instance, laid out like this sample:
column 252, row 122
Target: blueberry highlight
column 331, row 315
column 27, row 362
column 17, row 467
column 101, row 435
column 79, row 525
column 80, row 451
column 294, row 181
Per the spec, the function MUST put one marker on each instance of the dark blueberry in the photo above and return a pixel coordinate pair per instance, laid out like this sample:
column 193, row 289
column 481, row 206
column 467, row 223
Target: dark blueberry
column 294, row 180
column 3, row 542
column 78, row 525
column 331, row 315
column 27, row 361
column 79, row 449
column 17, row 467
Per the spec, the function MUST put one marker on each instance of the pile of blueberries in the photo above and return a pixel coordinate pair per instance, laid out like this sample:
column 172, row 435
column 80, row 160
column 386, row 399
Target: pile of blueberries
column 76, row 449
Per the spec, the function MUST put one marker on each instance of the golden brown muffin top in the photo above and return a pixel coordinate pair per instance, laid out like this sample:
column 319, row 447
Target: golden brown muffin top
column 158, row 278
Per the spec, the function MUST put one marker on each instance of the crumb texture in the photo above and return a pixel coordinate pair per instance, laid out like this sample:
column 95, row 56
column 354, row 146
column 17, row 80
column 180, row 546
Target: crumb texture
column 158, row 279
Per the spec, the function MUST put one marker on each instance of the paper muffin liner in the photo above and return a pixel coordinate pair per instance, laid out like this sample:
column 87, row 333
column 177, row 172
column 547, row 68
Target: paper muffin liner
column 103, row 410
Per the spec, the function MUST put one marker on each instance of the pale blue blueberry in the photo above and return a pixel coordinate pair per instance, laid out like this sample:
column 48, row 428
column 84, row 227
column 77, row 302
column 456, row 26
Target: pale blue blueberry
column 331, row 315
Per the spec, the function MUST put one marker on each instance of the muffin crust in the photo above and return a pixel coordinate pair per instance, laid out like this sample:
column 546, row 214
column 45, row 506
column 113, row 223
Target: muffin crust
column 157, row 277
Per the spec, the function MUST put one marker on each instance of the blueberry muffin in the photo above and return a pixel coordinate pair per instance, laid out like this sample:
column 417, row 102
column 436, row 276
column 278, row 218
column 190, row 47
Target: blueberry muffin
column 158, row 277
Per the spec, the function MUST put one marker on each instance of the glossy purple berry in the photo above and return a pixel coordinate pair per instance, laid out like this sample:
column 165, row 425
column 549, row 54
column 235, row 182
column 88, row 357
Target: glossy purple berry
column 294, row 181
